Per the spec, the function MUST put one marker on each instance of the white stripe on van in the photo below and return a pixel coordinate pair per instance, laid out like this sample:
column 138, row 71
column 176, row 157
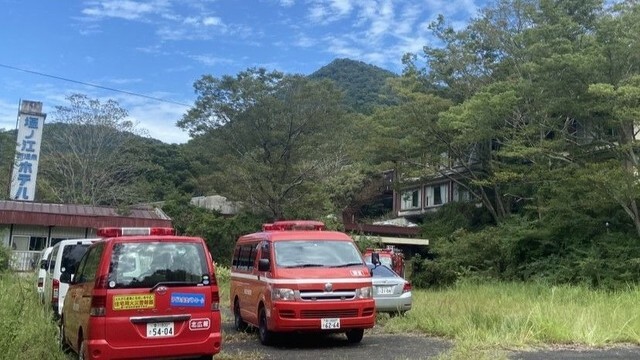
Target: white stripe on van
column 363, row 280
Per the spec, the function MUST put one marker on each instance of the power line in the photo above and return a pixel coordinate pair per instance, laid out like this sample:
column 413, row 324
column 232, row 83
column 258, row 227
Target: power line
column 94, row 85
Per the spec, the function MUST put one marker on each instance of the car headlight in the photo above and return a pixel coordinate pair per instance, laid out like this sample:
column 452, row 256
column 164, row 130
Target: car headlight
column 282, row 294
column 364, row 292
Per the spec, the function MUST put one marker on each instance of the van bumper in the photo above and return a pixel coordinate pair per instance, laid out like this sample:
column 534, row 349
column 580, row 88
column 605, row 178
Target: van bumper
column 101, row 349
column 300, row 316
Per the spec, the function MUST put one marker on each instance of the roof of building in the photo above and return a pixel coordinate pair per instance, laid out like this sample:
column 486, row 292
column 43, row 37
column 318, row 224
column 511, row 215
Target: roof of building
column 74, row 215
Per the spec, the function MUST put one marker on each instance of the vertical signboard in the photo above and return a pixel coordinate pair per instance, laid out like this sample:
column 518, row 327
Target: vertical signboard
column 25, row 165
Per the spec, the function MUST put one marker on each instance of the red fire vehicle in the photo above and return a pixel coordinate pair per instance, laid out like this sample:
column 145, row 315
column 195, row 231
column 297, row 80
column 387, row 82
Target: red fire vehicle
column 296, row 276
column 389, row 256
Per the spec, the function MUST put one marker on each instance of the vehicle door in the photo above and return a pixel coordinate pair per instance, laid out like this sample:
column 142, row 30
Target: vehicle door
column 259, row 286
column 71, row 255
column 244, row 266
column 48, row 287
column 78, row 305
column 168, row 300
column 252, row 286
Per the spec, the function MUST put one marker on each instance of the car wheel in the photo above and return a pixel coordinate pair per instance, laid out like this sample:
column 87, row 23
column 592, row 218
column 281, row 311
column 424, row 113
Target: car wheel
column 355, row 335
column 62, row 340
column 240, row 324
column 81, row 350
column 266, row 336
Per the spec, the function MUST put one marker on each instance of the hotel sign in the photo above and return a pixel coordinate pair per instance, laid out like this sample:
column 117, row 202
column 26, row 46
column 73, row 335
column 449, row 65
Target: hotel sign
column 25, row 165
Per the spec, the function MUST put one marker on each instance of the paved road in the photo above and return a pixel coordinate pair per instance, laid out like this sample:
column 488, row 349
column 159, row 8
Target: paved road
column 335, row 346
column 378, row 345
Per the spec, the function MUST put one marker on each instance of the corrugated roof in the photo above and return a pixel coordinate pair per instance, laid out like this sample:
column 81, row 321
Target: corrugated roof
column 20, row 212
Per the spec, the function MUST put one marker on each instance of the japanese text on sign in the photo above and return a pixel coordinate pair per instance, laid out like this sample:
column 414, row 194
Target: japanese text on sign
column 25, row 167
column 134, row 302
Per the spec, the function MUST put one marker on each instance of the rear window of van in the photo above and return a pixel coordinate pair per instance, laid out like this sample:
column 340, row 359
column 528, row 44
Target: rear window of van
column 144, row 264
column 71, row 255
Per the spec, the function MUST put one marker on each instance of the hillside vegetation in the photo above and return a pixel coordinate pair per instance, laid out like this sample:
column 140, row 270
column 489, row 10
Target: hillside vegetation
column 532, row 109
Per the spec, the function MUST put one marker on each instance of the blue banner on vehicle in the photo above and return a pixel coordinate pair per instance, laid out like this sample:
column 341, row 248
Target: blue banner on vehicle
column 184, row 299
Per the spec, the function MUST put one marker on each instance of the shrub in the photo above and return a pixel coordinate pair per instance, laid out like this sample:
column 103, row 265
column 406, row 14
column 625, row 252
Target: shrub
column 5, row 256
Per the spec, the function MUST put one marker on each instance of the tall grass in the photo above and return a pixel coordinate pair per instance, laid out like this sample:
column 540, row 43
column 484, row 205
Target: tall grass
column 483, row 319
column 27, row 329
column 519, row 315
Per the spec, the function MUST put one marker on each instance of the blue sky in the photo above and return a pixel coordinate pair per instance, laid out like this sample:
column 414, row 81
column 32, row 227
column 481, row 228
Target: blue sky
column 158, row 48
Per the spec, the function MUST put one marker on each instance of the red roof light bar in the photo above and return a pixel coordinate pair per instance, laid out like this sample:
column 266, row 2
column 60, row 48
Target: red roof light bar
column 291, row 225
column 133, row 231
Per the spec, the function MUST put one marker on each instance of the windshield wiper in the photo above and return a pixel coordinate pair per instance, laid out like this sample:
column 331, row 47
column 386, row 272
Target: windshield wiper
column 303, row 266
column 347, row 264
column 174, row 283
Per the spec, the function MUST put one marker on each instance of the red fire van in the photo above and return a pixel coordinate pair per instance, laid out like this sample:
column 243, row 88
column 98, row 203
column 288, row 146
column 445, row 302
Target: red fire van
column 143, row 293
column 296, row 276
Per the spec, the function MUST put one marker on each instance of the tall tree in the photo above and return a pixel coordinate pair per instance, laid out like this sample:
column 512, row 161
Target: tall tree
column 277, row 137
column 7, row 153
column 88, row 154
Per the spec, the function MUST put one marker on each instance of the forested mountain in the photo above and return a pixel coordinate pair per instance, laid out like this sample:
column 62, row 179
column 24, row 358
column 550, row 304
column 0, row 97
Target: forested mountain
column 532, row 110
column 364, row 85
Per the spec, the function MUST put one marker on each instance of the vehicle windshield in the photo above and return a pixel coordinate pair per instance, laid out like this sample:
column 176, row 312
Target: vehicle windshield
column 316, row 253
column 384, row 260
column 382, row 271
column 145, row 264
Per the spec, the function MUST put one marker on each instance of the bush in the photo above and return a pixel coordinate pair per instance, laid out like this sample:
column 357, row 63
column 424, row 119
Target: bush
column 27, row 329
column 5, row 256
column 566, row 251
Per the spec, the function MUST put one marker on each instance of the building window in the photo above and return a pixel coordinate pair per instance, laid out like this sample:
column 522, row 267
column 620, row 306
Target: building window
column 438, row 195
column 461, row 194
column 410, row 199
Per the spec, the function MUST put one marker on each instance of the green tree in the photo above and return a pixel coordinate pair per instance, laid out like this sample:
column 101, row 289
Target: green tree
column 7, row 153
column 276, row 137
column 88, row 154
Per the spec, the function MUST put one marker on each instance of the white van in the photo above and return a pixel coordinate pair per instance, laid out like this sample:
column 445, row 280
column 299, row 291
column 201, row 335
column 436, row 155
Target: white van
column 65, row 255
column 43, row 265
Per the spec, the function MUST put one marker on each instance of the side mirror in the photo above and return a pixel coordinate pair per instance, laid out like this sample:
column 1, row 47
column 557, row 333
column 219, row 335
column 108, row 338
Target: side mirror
column 65, row 277
column 375, row 258
column 264, row 265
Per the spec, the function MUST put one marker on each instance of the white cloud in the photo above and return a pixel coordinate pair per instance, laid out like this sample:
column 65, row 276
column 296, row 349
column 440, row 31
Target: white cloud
column 211, row 21
column 210, row 60
column 159, row 120
column 124, row 9
column 379, row 31
column 8, row 114
column 328, row 11
column 305, row 41
column 122, row 81
column 287, row 3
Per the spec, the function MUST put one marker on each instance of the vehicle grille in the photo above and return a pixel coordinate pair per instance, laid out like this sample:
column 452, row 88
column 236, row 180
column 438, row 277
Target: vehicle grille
column 324, row 296
column 335, row 313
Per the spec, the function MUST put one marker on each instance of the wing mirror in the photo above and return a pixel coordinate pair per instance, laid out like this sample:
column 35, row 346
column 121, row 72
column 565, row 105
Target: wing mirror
column 375, row 259
column 263, row 265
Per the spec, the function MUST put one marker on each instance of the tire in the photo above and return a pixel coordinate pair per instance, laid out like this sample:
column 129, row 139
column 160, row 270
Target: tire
column 239, row 324
column 81, row 350
column 62, row 340
column 265, row 335
column 355, row 335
